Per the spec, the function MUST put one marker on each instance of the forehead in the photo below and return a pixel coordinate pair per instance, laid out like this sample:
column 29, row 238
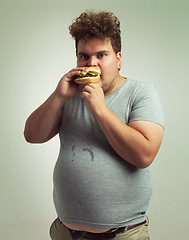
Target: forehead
column 94, row 45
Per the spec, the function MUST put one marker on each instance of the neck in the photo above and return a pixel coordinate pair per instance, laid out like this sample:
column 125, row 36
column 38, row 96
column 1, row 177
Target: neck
column 117, row 84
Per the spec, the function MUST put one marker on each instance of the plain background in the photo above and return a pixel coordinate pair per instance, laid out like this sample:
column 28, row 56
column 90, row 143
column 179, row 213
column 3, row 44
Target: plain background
column 36, row 51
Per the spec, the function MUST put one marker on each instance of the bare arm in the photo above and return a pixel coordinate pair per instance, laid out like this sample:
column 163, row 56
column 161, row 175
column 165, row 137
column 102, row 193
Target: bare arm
column 137, row 143
column 44, row 122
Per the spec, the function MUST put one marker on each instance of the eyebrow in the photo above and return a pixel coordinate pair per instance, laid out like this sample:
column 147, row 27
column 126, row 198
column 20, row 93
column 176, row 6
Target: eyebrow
column 83, row 53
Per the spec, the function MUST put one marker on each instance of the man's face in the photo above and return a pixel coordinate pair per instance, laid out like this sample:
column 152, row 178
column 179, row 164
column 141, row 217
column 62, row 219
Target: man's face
column 99, row 53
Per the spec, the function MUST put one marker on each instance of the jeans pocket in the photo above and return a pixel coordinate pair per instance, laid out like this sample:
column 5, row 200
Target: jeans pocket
column 51, row 229
column 137, row 233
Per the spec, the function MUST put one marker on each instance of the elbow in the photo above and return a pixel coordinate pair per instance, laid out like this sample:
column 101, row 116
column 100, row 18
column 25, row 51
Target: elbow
column 142, row 162
column 32, row 136
column 28, row 133
column 146, row 158
column 28, row 138
column 145, row 162
column 139, row 162
column 144, row 165
column 31, row 139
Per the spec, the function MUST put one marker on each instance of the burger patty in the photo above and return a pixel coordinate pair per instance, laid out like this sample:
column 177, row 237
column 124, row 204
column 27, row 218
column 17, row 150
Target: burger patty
column 84, row 75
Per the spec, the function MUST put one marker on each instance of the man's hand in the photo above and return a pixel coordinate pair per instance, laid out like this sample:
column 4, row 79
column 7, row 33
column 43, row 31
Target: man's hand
column 66, row 88
column 44, row 122
column 94, row 96
column 137, row 143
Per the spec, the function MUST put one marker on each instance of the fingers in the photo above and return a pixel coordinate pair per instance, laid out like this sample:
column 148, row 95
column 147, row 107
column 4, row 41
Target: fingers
column 74, row 71
column 90, row 86
column 94, row 97
column 90, row 90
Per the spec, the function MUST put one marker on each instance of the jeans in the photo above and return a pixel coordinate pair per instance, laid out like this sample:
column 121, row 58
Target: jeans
column 59, row 232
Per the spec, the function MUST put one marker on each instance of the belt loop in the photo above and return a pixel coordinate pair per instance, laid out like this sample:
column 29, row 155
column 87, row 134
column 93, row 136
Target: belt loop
column 113, row 230
column 147, row 220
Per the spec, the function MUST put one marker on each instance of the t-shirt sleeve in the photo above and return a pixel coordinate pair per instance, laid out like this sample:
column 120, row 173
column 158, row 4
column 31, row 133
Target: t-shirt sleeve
column 146, row 105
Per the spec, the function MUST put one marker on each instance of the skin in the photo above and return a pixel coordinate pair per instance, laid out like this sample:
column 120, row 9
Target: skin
column 137, row 143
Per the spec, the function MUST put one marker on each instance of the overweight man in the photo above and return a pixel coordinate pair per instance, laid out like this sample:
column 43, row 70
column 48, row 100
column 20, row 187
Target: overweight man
column 110, row 133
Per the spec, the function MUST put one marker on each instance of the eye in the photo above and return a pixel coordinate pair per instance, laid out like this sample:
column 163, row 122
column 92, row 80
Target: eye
column 101, row 55
column 83, row 57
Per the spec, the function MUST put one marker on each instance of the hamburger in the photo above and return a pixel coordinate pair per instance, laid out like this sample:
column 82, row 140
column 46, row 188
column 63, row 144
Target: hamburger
column 88, row 75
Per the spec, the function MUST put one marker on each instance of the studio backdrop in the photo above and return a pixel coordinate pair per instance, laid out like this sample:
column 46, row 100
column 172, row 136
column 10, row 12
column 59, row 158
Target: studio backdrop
column 36, row 50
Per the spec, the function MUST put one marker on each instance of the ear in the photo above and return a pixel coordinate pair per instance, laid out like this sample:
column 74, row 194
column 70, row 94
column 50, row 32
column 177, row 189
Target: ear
column 119, row 63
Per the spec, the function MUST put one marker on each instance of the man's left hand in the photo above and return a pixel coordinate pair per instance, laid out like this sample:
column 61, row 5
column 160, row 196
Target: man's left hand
column 94, row 96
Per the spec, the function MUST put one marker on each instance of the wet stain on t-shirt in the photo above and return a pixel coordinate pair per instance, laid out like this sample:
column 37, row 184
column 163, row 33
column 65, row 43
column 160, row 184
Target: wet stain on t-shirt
column 90, row 152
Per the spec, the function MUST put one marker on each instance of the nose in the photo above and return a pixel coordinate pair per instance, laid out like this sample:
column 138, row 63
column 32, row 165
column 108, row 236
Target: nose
column 92, row 61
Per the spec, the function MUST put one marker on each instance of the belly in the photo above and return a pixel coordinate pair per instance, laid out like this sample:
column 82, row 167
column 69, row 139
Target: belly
column 85, row 228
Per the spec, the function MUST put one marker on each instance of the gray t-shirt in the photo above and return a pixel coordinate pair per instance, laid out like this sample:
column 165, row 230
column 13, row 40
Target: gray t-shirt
column 93, row 185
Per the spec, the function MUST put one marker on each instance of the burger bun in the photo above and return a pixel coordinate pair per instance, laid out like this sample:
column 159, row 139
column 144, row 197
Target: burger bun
column 89, row 79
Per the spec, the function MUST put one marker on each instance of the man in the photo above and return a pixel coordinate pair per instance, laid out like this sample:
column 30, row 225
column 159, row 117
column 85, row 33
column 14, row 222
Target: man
column 110, row 132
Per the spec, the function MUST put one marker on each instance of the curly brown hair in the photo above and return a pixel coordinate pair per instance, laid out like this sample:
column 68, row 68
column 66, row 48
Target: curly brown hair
column 100, row 25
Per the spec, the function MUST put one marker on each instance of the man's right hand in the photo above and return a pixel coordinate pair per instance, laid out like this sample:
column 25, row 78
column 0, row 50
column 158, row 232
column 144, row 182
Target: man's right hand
column 66, row 88
column 44, row 122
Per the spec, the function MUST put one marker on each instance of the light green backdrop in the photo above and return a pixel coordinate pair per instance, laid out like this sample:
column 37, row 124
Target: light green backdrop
column 36, row 50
